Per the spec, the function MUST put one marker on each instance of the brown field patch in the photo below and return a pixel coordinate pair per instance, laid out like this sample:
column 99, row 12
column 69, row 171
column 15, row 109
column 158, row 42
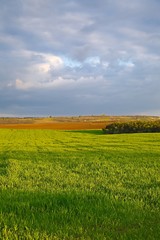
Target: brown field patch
column 57, row 126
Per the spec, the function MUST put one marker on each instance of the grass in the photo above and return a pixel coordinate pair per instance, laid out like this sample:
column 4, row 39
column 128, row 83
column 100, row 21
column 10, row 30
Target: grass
column 79, row 185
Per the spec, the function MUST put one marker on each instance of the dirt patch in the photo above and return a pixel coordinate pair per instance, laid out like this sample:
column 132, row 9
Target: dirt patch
column 57, row 126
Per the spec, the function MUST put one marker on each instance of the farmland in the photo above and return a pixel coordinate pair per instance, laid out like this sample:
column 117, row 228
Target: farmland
column 69, row 123
column 79, row 185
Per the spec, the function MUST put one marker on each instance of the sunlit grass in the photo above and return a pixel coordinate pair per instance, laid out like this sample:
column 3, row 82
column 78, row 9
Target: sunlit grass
column 79, row 185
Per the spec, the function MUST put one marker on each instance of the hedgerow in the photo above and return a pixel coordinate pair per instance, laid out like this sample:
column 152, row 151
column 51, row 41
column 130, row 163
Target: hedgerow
column 132, row 127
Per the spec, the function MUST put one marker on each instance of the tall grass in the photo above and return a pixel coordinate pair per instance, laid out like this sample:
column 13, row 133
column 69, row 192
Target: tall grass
column 79, row 185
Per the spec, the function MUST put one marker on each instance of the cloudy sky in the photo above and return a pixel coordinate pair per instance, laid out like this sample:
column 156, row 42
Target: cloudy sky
column 78, row 57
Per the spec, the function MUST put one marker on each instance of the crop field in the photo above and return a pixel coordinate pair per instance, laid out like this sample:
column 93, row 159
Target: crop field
column 79, row 185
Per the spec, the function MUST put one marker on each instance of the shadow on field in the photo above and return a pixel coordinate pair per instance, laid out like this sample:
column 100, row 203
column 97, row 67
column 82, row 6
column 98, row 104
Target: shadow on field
column 3, row 163
column 94, row 132
column 71, row 216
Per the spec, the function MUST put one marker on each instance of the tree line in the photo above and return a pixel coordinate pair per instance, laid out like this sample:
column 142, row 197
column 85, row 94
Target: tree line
column 133, row 127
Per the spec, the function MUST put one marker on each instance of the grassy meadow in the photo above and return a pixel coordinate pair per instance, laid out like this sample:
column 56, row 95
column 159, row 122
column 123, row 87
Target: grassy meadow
column 79, row 185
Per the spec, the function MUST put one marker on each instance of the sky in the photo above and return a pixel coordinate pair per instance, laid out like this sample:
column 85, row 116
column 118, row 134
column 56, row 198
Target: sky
column 79, row 57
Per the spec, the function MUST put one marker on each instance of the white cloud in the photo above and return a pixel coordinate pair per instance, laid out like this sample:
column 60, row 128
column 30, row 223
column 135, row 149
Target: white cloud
column 42, row 67
column 47, row 63
column 22, row 85
column 93, row 61
column 54, row 61
column 125, row 63
column 57, row 83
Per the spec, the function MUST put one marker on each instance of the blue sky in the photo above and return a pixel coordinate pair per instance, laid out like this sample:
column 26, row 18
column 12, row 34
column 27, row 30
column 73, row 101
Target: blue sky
column 78, row 57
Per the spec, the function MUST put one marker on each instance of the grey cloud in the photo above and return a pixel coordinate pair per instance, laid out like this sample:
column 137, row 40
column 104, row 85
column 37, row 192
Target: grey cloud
column 122, row 35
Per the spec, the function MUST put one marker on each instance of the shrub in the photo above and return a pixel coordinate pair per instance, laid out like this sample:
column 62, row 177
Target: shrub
column 132, row 127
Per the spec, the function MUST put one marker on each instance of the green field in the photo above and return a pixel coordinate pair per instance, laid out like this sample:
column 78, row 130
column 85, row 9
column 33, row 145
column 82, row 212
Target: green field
column 79, row 185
